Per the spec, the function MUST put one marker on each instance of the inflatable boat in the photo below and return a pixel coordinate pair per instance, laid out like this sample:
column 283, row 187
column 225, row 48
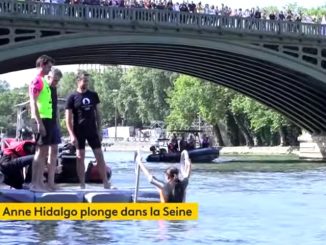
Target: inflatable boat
column 199, row 155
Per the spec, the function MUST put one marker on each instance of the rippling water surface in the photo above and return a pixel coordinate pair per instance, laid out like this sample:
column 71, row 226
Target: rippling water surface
column 242, row 200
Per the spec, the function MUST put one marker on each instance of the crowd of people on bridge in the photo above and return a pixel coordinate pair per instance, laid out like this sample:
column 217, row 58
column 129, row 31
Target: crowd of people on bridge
column 201, row 8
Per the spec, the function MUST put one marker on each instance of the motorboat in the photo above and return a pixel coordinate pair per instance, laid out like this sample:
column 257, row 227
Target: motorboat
column 198, row 155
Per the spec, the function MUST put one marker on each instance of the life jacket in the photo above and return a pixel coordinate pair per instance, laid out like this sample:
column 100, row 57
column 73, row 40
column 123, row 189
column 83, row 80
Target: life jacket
column 20, row 148
column 44, row 100
column 5, row 142
column 93, row 175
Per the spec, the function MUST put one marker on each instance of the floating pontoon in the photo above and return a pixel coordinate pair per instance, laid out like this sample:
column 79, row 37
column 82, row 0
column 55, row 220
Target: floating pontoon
column 86, row 195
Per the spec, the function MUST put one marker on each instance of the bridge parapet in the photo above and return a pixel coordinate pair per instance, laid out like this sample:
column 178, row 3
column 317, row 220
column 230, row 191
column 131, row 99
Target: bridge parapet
column 156, row 19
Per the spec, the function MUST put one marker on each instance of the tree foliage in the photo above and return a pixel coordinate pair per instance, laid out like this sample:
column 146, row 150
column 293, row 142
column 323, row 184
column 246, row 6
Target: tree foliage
column 316, row 12
column 183, row 101
column 149, row 88
column 107, row 85
column 259, row 115
column 8, row 100
column 67, row 84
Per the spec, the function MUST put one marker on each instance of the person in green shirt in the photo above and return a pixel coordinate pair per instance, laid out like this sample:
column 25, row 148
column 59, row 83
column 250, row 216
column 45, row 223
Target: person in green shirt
column 41, row 111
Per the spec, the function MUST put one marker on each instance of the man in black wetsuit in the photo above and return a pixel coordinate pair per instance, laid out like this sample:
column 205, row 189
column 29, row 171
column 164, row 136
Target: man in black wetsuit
column 84, row 123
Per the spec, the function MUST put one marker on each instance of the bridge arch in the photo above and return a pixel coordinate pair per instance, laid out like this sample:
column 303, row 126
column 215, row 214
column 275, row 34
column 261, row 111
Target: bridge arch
column 276, row 80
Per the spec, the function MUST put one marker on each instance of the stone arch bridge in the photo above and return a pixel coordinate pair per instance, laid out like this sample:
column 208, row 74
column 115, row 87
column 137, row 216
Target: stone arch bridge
column 281, row 64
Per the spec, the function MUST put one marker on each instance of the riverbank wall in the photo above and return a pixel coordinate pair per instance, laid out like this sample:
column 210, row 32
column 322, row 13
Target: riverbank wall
column 237, row 150
column 260, row 150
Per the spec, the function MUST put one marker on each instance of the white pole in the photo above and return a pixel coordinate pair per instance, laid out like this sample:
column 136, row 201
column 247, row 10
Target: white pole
column 137, row 176
column 115, row 122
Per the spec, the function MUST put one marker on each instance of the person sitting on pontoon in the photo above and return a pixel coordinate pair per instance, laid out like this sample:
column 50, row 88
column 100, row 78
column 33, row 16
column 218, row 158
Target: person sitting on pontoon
column 14, row 158
column 173, row 190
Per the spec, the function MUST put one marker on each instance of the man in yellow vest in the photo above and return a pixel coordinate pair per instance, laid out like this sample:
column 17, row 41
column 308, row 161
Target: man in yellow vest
column 41, row 110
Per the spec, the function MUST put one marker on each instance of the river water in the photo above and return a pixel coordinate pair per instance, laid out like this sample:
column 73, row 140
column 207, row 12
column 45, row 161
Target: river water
column 242, row 200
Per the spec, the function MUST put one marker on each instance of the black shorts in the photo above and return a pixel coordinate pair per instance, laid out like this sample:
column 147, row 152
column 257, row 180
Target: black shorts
column 92, row 139
column 50, row 137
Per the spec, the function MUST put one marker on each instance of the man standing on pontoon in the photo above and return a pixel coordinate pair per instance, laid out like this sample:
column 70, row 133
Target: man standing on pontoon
column 41, row 110
column 84, row 123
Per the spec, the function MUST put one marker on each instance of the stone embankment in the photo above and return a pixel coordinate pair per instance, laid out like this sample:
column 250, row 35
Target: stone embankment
column 128, row 146
column 272, row 150
column 260, row 150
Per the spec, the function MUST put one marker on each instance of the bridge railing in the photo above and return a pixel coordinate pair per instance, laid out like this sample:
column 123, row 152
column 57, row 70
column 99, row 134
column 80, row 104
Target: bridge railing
column 155, row 18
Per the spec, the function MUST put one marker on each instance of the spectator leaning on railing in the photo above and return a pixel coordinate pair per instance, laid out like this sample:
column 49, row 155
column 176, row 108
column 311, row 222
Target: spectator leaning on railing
column 199, row 7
